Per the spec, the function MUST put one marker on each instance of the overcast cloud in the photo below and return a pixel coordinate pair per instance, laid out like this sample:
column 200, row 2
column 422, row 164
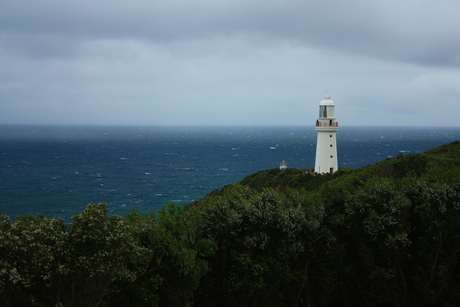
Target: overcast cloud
column 229, row 62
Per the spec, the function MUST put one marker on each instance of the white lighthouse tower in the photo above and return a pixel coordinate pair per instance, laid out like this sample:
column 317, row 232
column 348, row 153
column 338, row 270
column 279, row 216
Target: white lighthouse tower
column 326, row 145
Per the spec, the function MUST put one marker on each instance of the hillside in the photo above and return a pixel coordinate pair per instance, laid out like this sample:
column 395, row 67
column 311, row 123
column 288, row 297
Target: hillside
column 440, row 164
column 386, row 226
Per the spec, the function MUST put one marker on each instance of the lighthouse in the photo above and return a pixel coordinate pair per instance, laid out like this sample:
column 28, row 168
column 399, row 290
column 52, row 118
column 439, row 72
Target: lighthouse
column 326, row 145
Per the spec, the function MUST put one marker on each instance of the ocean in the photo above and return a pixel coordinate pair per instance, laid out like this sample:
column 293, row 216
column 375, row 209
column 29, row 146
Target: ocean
column 58, row 170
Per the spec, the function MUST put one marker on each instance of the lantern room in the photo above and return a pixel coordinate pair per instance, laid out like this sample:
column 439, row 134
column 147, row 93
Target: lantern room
column 326, row 108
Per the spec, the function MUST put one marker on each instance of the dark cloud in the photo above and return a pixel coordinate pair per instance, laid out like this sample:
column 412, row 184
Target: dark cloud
column 425, row 31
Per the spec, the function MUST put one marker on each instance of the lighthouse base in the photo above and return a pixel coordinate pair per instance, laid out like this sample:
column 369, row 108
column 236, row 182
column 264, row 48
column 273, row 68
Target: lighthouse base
column 326, row 152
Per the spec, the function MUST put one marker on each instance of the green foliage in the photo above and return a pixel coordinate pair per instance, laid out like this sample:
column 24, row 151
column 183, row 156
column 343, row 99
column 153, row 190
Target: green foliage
column 103, row 256
column 45, row 262
column 435, row 235
column 281, row 179
column 262, row 240
column 178, row 253
column 32, row 251
column 376, row 235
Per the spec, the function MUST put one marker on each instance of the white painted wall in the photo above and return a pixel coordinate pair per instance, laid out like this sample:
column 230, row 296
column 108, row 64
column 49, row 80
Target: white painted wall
column 324, row 152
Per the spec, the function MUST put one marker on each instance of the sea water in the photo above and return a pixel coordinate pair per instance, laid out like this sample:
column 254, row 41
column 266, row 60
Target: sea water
column 58, row 170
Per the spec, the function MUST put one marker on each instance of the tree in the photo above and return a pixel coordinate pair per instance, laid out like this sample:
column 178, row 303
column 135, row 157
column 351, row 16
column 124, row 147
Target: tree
column 178, row 254
column 265, row 245
column 377, row 240
column 435, row 237
column 32, row 254
column 89, row 262
column 103, row 257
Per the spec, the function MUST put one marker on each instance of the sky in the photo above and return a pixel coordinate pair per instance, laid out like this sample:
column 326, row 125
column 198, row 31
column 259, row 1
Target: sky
column 214, row 63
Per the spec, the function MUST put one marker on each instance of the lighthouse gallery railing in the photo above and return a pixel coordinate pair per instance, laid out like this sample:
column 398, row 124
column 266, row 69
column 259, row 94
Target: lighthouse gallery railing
column 327, row 124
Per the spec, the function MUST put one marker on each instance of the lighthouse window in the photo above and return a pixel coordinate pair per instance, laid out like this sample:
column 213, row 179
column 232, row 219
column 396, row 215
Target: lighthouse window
column 331, row 156
column 330, row 145
column 330, row 135
column 323, row 111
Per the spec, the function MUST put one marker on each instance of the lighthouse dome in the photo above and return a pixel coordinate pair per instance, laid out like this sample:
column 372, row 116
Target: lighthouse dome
column 327, row 101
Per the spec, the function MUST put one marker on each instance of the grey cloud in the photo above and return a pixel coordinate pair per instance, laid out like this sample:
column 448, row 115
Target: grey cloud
column 402, row 30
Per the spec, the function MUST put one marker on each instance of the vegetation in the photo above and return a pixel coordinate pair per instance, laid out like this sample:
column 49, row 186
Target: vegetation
column 385, row 234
